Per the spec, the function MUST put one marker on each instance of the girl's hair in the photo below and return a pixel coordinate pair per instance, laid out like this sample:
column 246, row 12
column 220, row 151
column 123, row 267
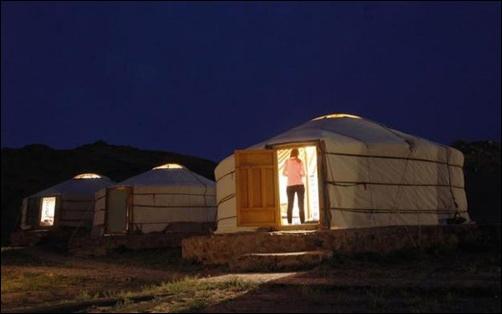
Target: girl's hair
column 294, row 153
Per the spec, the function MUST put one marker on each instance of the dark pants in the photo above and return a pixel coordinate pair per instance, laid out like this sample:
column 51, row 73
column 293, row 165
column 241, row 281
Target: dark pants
column 291, row 190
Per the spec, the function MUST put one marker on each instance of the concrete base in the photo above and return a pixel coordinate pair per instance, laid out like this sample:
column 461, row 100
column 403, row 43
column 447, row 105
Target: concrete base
column 227, row 249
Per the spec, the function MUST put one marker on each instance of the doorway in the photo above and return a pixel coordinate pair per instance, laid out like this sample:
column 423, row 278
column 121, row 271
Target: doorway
column 308, row 155
column 47, row 211
column 117, row 210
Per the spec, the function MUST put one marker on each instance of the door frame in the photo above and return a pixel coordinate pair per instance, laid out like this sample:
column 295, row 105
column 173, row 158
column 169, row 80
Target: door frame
column 128, row 209
column 320, row 184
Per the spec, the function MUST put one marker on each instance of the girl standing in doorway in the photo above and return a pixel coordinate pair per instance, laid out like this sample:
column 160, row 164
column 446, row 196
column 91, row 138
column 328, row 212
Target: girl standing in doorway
column 293, row 169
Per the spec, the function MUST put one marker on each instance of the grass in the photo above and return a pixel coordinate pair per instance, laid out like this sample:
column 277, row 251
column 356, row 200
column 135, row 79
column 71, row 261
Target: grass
column 186, row 295
column 28, row 279
column 34, row 281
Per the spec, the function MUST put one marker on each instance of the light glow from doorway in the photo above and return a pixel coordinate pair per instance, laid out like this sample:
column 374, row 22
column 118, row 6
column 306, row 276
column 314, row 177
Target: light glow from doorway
column 308, row 154
column 48, row 211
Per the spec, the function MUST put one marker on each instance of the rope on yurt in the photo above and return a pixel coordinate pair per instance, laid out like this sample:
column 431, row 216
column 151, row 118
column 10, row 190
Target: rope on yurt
column 226, row 198
column 77, row 228
column 395, row 209
column 370, row 191
column 205, row 192
column 457, row 212
column 410, row 147
column 326, row 196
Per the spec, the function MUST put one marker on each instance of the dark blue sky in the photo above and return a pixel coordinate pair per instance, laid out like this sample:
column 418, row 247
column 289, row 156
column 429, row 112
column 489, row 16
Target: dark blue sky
column 205, row 79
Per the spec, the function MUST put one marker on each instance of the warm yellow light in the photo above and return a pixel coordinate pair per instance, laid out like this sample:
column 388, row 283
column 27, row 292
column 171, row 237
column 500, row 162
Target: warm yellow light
column 337, row 115
column 87, row 176
column 169, row 166
column 47, row 211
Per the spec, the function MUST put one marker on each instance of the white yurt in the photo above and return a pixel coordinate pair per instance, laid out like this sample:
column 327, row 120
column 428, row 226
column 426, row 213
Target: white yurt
column 358, row 174
column 70, row 203
column 169, row 197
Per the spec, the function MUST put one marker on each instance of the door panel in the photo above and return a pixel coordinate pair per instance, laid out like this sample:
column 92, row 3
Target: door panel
column 256, row 187
column 117, row 210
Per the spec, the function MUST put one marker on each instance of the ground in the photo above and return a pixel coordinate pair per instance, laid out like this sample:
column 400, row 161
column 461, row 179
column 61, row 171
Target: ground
column 438, row 280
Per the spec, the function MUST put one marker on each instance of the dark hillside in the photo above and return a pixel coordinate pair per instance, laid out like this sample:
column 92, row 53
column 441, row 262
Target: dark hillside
column 482, row 179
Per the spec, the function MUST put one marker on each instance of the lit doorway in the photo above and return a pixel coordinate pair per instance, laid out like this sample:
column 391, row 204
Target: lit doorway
column 308, row 155
column 48, row 211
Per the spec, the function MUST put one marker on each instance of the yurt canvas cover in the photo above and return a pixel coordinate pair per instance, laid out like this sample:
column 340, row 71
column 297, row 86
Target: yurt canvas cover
column 365, row 175
column 156, row 201
column 70, row 203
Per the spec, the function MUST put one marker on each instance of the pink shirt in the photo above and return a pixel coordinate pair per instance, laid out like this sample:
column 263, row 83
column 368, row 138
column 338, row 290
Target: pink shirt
column 293, row 169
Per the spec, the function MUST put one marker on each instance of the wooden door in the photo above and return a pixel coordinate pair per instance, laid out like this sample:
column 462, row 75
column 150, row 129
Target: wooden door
column 117, row 204
column 256, row 188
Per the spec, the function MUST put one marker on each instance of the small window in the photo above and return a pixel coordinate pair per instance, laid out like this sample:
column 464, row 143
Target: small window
column 168, row 166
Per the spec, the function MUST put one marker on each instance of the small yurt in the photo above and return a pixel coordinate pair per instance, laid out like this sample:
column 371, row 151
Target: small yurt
column 70, row 203
column 169, row 197
column 357, row 174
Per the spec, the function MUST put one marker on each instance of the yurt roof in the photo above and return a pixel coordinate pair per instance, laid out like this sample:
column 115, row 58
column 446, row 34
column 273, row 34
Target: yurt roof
column 82, row 184
column 168, row 174
column 350, row 127
column 354, row 135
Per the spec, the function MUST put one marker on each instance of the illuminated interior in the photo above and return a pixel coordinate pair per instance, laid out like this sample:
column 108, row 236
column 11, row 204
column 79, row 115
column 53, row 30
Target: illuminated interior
column 169, row 166
column 47, row 211
column 308, row 154
column 87, row 176
column 337, row 115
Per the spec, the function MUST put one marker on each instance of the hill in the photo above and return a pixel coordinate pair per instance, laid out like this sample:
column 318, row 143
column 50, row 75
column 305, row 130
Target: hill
column 33, row 168
column 482, row 179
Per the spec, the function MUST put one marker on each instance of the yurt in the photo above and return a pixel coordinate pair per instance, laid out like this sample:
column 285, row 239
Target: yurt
column 169, row 197
column 357, row 174
column 70, row 203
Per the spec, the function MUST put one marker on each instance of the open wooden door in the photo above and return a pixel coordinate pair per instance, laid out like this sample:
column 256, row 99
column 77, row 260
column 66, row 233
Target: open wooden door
column 256, row 188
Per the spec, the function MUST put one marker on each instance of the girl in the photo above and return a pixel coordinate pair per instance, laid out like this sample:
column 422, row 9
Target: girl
column 293, row 169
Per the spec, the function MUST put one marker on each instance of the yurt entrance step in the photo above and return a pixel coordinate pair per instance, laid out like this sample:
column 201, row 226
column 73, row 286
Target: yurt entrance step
column 264, row 262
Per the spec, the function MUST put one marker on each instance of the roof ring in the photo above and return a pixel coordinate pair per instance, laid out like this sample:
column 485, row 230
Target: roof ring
column 338, row 115
column 168, row 166
column 87, row 176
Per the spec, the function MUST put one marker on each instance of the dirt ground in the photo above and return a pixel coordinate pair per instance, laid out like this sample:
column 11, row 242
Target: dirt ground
column 442, row 280
column 454, row 282
column 34, row 276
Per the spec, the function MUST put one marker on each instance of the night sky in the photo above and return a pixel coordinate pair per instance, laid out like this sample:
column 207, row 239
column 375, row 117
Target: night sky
column 205, row 79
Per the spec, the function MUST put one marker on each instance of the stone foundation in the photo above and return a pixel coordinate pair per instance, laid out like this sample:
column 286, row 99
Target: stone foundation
column 223, row 249
column 98, row 246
